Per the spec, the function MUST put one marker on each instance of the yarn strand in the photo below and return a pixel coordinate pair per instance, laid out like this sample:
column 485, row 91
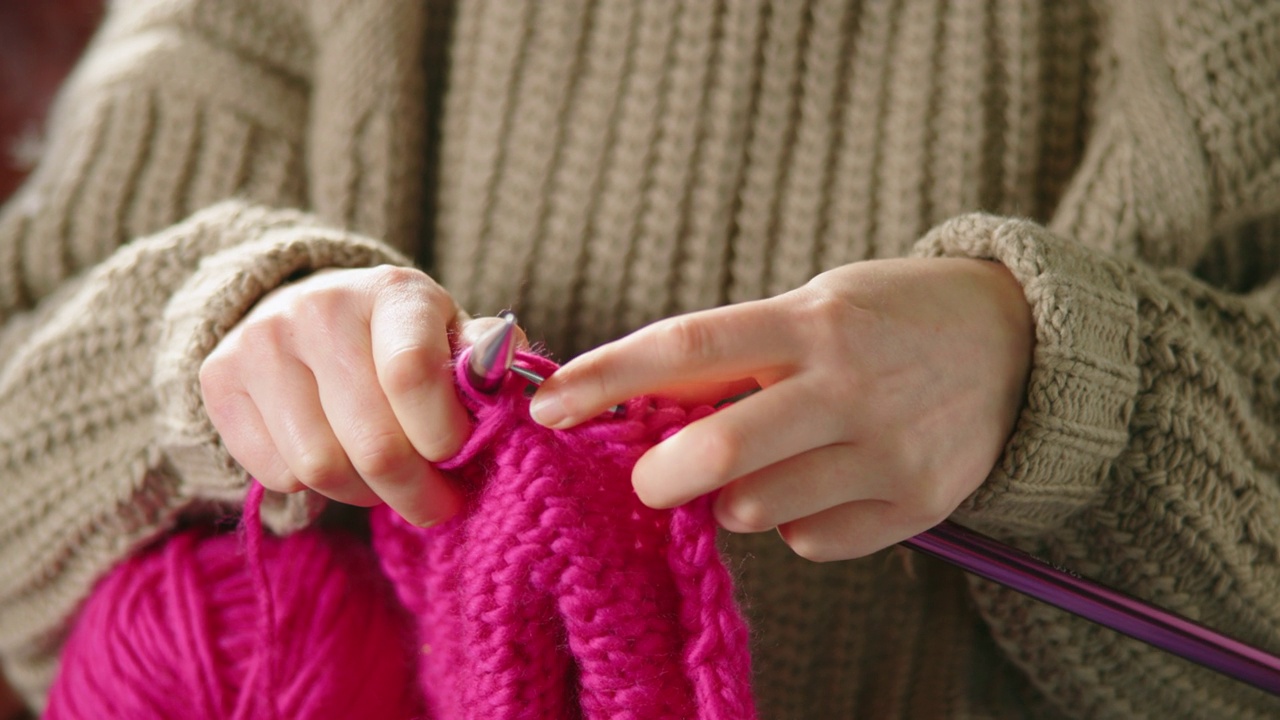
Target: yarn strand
column 259, row 681
column 555, row 593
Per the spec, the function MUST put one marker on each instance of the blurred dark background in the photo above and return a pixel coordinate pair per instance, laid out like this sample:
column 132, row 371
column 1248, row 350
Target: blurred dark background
column 40, row 41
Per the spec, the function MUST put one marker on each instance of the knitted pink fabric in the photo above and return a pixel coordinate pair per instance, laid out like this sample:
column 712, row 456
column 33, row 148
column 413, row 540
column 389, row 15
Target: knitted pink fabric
column 556, row 593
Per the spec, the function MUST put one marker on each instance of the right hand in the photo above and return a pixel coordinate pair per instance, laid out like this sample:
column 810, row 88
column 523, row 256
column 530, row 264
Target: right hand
column 341, row 382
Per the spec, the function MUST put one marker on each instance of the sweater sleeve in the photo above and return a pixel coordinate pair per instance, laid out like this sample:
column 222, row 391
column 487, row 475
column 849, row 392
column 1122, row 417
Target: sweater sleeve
column 1146, row 457
column 103, row 437
column 123, row 262
column 1147, row 454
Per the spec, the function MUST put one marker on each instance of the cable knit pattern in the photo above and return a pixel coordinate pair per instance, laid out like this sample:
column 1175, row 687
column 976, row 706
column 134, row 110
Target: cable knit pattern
column 557, row 593
column 600, row 163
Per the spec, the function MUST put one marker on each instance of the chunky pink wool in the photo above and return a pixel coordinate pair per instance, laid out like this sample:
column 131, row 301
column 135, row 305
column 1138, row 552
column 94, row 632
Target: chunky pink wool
column 557, row 593
column 210, row 625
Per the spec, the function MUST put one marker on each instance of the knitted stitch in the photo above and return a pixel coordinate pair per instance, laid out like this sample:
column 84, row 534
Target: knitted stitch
column 557, row 593
column 636, row 159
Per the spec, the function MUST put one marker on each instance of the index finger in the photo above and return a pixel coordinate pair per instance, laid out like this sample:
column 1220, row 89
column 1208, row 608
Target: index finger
column 730, row 349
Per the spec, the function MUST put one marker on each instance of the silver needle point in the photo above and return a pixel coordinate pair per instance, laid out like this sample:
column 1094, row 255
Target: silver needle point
column 492, row 355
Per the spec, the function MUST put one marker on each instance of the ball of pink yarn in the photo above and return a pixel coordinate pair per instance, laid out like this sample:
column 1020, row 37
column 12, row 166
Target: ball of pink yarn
column 187, row 630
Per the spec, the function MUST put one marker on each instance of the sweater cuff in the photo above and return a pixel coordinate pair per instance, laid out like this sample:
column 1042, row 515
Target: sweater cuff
column 1083, row 381
column 222, row 290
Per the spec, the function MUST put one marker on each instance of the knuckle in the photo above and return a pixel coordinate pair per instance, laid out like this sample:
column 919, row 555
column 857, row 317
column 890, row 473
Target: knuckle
column 442, row 445
column 264, row 335
column 281, row 482
column 221, row 408
column 396, row 276
column 831, row 319
column 215, row 376
column 406, row 370
column 320, row 306
column 407, row 281
column 822, row 307
column 224, row 398
column 380, row 456
column 321, row 469
column 689, row 340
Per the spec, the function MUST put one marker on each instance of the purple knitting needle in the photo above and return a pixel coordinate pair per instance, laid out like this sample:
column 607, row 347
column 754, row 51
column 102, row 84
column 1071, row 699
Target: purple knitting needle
column 993, row 560
column 491, row 359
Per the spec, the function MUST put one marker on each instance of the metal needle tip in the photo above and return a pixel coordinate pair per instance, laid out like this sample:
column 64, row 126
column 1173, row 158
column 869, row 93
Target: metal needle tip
column 492, row 355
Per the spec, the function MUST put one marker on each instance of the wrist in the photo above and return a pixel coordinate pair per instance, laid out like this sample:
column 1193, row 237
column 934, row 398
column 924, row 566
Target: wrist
column 1083, row 378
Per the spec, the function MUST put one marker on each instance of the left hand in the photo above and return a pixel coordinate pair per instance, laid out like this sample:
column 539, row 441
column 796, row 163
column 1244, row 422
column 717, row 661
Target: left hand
column 888, row 391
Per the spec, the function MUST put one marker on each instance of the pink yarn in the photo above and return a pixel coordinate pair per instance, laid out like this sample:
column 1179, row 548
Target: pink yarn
column 557, row 594
column 201, row 627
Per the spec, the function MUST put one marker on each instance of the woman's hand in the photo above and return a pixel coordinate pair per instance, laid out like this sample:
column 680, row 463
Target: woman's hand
column 341, row 382
column 889, row 389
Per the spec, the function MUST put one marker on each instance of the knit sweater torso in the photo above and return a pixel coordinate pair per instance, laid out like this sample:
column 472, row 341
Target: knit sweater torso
column 604, row 165
column 599, row 165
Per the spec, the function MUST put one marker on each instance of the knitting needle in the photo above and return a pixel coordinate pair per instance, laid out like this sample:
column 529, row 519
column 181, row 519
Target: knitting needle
column 493, row 356
column 988, row 558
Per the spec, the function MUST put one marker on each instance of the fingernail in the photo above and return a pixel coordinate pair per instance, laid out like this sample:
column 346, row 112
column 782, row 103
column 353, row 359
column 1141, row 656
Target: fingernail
column 548, row 410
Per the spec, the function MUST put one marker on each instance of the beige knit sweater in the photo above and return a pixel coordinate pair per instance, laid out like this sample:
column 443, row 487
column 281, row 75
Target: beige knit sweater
column 597, row 164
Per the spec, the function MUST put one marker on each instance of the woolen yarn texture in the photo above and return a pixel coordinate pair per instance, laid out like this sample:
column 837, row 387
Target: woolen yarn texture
column 598, row 164
column 557, row 593
column 220, row 625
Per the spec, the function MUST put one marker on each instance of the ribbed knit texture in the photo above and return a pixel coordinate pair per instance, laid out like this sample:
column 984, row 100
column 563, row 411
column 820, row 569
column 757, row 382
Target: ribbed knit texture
column 599, row 164
column 687, row 140
column 94, row 379
column 557, row 593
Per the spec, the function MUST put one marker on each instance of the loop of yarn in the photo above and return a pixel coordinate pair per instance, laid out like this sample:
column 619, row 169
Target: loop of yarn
column 557, row 593
column 201, row 626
